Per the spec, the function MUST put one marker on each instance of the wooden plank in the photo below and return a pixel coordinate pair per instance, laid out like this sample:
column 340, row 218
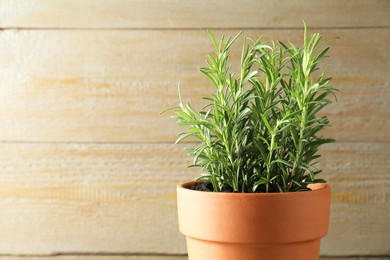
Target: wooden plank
column 120, row 198
column 90, row 198
column 187, row 14
column 360, row 212
column 109, row 86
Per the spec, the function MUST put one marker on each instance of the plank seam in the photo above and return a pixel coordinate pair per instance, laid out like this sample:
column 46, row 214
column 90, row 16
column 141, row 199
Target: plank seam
column 162, row 142
column 192, row 28
column 59, row 254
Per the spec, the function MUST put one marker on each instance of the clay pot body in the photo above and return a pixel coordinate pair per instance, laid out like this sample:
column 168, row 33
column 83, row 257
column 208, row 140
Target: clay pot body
column 253, row 226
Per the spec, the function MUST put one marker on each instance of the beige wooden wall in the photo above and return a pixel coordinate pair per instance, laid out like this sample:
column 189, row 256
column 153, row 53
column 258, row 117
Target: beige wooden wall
column 87, row 165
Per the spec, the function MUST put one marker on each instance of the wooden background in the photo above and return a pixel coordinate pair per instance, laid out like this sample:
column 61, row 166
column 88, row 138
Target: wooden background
column 87, row 165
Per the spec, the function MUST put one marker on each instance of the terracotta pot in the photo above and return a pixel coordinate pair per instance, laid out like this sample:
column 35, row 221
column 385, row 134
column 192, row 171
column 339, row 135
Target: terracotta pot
column 253, row 226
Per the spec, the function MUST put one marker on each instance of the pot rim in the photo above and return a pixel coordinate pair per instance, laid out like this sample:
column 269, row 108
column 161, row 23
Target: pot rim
column 317, row 187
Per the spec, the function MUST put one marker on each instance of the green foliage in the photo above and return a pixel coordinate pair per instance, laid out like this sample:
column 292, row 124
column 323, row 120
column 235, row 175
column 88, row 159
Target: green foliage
column 259, row 132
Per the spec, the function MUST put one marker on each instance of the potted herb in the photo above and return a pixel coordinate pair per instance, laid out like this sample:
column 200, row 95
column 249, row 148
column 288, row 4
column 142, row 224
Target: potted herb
column 259, row 196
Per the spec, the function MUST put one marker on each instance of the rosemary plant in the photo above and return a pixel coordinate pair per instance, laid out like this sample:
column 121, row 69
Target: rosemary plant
column 259, row 131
